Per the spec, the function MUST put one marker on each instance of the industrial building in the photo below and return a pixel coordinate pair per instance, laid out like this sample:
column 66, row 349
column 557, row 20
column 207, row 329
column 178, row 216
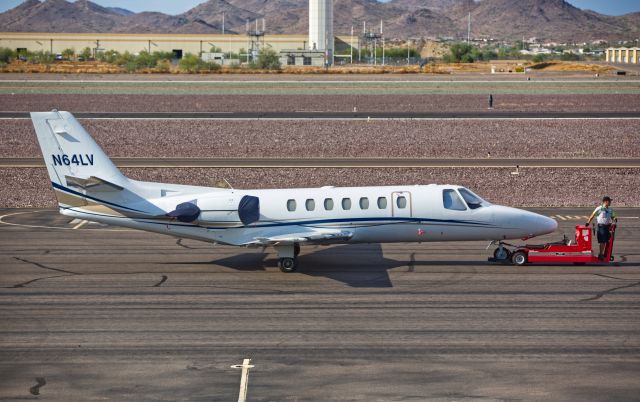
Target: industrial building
column 316, row 49
column 628, row 55
column 180, row 44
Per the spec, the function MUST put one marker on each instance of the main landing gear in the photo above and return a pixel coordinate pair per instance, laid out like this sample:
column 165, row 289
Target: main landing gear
column 287, row 257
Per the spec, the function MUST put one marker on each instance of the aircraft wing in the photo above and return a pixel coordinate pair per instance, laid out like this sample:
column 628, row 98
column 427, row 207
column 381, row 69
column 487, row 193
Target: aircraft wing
column 313, row 236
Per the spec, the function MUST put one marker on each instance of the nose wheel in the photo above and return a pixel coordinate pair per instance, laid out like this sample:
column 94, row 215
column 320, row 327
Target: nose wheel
column 501, row 253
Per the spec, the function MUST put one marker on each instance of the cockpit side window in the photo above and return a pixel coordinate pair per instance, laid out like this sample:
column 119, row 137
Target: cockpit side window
column 472, row 200
column 452, row 200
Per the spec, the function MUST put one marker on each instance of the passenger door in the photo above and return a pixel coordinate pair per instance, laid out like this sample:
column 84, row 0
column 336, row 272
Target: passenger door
column 401, row 204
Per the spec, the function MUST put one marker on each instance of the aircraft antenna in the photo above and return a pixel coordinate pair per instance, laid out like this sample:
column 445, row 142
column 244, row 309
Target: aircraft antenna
column 228, row 184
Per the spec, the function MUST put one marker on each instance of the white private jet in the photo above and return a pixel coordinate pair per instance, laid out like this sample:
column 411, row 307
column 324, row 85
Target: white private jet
column 89, row 186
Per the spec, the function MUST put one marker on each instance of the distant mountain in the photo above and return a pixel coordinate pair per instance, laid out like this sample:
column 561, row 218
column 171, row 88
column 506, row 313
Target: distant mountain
column 501, row 19
column 121, row 11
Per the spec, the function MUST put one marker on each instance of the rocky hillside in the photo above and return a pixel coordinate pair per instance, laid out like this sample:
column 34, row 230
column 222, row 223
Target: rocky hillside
column 502, row 19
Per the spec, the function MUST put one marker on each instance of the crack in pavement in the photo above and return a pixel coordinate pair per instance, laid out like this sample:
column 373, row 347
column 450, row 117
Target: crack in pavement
column 601, row 294
column 41, row 382
column 613, row 277
column 37, row 264
column 163, row 280
column 179, row 243
column 23, row 284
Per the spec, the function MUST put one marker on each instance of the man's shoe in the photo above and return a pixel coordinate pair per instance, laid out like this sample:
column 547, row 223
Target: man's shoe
column 600, row 257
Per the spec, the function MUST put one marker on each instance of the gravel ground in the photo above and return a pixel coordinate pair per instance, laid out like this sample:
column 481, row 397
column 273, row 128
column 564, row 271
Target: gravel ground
column 532, row 187
column 334, row 103
column 379, row 138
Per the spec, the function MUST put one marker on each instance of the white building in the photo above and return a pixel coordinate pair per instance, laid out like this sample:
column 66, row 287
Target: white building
column 623, row 55
column 321, row 27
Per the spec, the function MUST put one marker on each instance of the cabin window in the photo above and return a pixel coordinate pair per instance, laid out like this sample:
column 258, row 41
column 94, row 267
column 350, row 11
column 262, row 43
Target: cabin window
column 401, row 202
column 310, row 204
column 452, row 200
column 346, row 204
column 364, row 203
column 382, row 202
column 328, row 204
column 291, row 205
column 473, row 201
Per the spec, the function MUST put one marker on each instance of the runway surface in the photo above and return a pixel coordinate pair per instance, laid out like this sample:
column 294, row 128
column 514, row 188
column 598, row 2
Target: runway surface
column 489, row 114
column 104, row 313
column 344, row 163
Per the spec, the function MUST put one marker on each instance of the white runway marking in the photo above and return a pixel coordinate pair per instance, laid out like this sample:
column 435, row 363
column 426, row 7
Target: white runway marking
column 81, row 224
column 2, row 222
column 244, row 378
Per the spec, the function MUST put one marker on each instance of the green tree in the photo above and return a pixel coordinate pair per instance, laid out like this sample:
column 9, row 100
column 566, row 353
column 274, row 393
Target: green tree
column 267, row 59
column 538, row 58
column 68, row 53
column 42, row 57
column 85, row 53
column 460, row 53
column 6, row 55
column 189, row 63
column 145, row 60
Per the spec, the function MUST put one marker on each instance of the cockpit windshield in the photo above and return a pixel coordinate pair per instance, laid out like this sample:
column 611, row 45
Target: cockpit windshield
column 472, row 200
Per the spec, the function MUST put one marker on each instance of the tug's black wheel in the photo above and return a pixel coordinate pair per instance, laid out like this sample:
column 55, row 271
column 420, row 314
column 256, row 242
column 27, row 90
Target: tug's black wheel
column 287, row 264
column 519, row 258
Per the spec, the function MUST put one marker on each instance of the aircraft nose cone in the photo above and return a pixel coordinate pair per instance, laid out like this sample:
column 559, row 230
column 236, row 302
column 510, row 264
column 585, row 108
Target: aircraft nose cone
column 549, row 225
column 542, row 224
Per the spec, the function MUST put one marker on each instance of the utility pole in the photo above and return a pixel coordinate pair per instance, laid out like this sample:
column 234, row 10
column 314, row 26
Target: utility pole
column 223, row 23
column 351, row 44
column 469, row 28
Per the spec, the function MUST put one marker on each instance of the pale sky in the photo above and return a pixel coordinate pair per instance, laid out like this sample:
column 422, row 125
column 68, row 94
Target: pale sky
column 610, row 7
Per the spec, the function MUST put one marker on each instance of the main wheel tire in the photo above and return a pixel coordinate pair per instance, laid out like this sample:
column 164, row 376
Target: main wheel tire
column 519, row 258
column 501, row 253
column 296, row 249
column 287, row 264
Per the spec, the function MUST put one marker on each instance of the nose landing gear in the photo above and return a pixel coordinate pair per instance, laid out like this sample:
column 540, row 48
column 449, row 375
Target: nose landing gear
column 501, row 253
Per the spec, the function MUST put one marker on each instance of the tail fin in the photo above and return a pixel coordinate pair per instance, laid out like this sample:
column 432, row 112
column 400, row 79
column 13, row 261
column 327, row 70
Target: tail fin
column 74, row 161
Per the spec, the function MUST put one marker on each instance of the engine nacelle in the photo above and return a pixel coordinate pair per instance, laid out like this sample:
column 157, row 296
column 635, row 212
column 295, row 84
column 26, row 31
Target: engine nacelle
column 228, row 210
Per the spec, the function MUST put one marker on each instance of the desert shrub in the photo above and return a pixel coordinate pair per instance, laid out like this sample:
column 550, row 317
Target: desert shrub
column 267, row 59
column 131, row 66
column 191, row 63
column 163, row 66
column 85, row 53
column 68, row 53
column 6, row 55
column 145, row 59
column 42, row 57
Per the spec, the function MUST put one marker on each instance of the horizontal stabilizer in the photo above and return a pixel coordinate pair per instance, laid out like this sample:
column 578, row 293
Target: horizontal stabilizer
column 92, row 184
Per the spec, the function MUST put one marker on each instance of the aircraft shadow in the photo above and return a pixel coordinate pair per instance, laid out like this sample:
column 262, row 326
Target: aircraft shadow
column 356, row 265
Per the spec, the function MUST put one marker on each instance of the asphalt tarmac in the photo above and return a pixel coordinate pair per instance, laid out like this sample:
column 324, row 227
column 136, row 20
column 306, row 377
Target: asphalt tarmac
column 105, row 313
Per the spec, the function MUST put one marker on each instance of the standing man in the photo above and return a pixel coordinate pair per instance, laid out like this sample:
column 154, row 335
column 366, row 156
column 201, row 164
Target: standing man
column 490, row 101
column 605, row 216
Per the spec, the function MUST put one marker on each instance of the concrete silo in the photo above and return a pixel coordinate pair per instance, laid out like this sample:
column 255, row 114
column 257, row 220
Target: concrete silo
column 321, row 27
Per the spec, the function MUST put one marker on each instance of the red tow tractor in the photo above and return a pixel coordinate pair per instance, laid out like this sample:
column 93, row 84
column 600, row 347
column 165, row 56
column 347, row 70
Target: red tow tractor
column 578, row 251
